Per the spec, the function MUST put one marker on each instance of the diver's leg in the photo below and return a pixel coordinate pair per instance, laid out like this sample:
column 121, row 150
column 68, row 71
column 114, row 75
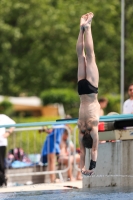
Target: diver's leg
column 92, row 74
column 80, row 52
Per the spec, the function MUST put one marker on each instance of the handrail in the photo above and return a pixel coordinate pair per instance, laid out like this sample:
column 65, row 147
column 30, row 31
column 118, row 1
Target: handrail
column 46, row 172
column 71, row 121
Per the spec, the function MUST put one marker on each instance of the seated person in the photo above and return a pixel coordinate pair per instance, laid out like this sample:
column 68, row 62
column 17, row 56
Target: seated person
column 65, row 152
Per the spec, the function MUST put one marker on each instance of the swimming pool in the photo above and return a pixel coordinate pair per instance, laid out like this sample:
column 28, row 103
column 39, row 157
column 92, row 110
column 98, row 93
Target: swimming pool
column 73, row 194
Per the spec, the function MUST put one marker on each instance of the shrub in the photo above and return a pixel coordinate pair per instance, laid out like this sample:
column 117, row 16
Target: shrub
column 6, row 107
column 113, row 103
column 68, row 97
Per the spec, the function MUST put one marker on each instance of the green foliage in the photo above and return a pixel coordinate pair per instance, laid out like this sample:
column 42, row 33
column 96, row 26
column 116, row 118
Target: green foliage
column 68, row 97
column 128, row 44
column 38, row 39
column 6, row 107
column 64, row 96
column 30, row 141
column 113, row 103
column 33, row 119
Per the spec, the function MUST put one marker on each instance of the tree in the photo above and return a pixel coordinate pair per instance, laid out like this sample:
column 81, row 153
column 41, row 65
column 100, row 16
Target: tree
column 128, row 44
column 38, row 39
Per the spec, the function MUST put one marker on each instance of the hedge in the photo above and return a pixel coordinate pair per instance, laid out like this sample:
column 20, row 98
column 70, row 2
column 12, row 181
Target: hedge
column 68, row 97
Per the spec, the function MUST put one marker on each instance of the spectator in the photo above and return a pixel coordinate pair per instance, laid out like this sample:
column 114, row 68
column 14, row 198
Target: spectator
column 103, row 104
column 17, row 154
column 4, row 134
column 128, row 104
column 51, row 147
column 66, row 153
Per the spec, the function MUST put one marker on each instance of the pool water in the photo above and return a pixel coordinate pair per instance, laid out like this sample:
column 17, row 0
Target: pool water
column 73, row 194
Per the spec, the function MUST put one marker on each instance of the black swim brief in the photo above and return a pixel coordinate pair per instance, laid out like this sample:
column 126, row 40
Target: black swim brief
column 85, row 87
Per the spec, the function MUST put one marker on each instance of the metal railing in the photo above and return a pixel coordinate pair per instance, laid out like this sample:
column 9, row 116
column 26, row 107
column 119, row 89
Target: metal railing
column 22, row 136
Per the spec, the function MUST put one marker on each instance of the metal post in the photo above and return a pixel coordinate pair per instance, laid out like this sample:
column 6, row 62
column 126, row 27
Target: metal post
column 122, row 51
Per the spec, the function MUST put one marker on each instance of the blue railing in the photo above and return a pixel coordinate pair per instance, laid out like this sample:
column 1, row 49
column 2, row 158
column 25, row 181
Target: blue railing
column 71, row 121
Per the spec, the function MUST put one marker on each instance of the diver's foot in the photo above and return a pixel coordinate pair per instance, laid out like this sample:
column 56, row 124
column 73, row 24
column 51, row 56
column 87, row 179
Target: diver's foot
column 83, row 21
column 90, row 15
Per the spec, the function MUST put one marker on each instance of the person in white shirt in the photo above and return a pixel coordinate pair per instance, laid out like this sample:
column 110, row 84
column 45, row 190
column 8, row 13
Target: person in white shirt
column 4, row 134
column 128, row 104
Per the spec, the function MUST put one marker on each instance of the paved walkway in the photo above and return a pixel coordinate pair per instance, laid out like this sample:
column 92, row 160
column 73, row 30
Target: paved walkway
column 46, row 186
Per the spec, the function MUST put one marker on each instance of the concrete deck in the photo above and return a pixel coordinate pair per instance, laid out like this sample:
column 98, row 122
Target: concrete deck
column 48, row 186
